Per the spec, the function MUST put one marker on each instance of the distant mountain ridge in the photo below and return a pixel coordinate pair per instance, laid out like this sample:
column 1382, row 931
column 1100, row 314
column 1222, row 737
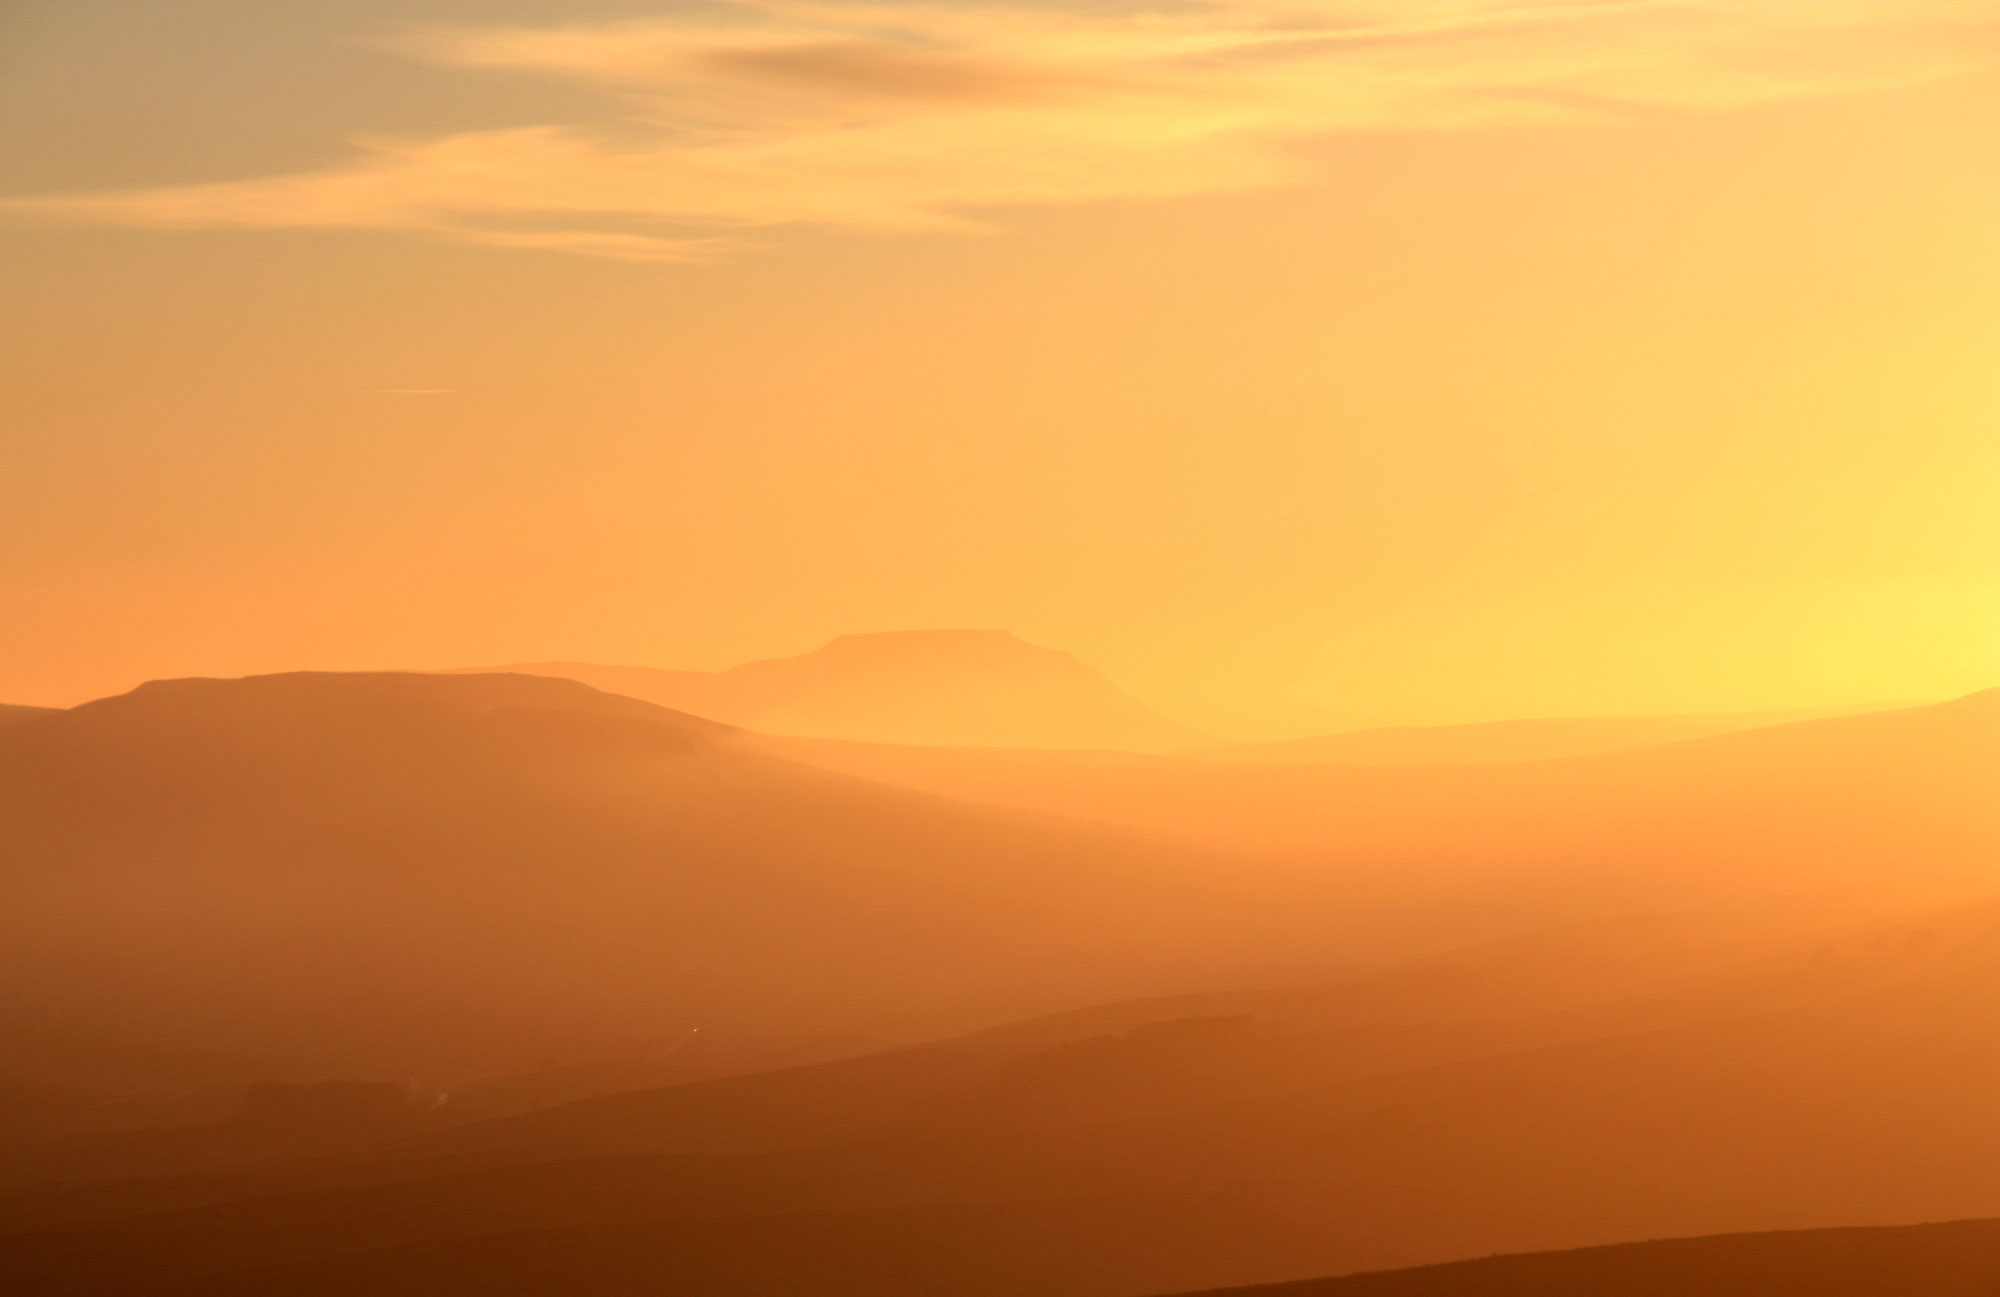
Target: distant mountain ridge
column 948, row 688
column 1528, row 739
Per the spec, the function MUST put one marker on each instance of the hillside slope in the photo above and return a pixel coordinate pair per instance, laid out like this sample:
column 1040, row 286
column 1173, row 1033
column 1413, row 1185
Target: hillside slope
column 437, row 876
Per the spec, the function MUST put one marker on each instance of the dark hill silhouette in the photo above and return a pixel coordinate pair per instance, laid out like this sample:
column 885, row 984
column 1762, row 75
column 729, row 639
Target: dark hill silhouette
column 969, row 688
column 1961, row 1259
column 14, row 714
column 1513, row 740
column 404, row 875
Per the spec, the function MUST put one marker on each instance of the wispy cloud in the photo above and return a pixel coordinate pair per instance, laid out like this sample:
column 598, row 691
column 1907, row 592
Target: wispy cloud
column 885, row 117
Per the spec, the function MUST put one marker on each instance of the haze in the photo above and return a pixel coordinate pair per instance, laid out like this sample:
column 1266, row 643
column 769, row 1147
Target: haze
column 999, row 648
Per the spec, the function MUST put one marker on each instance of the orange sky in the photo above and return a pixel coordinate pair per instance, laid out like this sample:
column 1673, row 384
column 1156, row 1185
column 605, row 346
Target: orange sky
column 1299, row 366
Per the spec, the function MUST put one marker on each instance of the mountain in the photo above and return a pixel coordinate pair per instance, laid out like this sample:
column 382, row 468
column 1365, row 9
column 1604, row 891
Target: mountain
column 387, row 876
column 1961, row 1259
column 1516, row 740
column 965, row 688
column 1842, row 1082
column 12, row 714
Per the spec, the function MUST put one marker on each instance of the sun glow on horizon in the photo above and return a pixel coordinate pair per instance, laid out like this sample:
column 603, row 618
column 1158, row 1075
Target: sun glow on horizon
column 1302, row 367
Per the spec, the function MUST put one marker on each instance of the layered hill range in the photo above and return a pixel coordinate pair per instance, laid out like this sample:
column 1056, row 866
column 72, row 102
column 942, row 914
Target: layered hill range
column 476, row 983
column 964, row 688
column 447, row 876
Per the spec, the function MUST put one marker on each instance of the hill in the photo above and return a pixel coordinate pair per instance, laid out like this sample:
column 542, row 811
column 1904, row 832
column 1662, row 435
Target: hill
column 966, row 688
column 12, row 714
column 444, row 876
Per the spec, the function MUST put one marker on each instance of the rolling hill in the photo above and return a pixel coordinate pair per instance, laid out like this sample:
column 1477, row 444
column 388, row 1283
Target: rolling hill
column 445, row 876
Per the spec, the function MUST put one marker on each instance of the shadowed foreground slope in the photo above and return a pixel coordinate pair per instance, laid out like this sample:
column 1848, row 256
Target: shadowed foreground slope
column 1961, row 1259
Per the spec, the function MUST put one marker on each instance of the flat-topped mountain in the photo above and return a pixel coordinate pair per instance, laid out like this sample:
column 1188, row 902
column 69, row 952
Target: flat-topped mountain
column 955, row 688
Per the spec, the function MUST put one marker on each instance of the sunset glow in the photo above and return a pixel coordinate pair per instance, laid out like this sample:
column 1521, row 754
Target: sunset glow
column 999, row 648
column 1301, row 366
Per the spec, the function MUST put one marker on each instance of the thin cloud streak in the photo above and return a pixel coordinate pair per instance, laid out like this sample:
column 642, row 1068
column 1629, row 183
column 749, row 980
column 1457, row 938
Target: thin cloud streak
column 887, row 118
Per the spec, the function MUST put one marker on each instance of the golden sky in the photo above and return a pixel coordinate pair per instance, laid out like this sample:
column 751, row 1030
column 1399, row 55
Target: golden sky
column 1300, row 365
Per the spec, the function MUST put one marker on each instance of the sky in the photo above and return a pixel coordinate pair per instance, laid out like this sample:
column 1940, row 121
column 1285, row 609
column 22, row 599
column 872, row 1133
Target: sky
column 1302, row 366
